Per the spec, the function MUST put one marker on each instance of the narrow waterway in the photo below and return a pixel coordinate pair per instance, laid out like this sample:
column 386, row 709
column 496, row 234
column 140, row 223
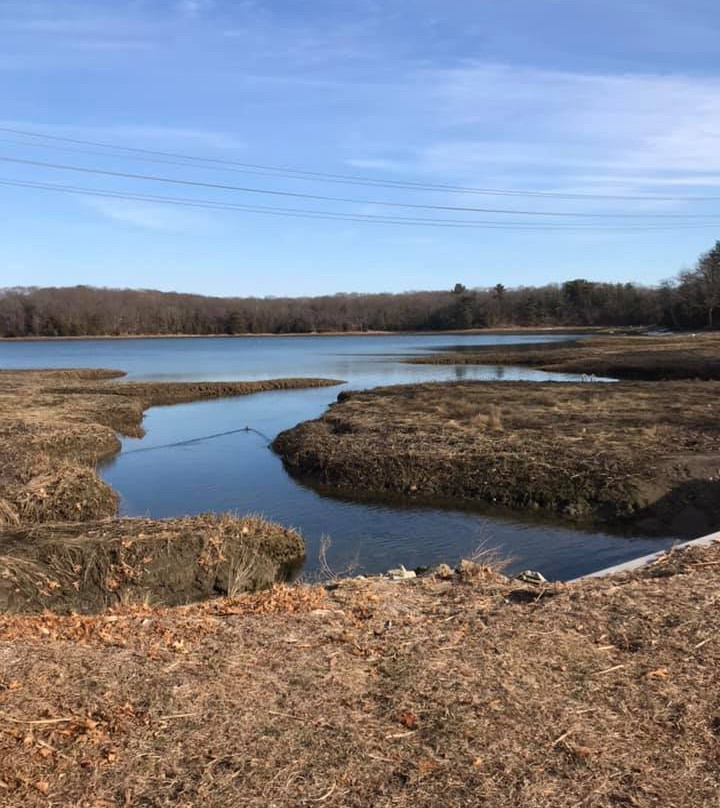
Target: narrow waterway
column 199, row 457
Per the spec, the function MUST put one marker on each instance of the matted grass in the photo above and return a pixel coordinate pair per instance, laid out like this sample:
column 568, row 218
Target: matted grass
column 88, row 566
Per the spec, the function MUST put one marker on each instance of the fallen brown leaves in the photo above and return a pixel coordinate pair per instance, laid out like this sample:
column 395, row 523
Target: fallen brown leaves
column 435, row 692
column 151, row 628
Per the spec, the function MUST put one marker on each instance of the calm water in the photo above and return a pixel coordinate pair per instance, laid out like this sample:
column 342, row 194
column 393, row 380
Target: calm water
column 179, row 468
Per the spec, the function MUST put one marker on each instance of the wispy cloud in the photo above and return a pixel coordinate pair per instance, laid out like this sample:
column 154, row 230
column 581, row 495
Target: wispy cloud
column 82, row 28
column 147, row 215
column 379, row 163
column 194, row 8
column 170, row 134
column 643, row 129
column 113, row 45
column 57, row 25
column 136, row 135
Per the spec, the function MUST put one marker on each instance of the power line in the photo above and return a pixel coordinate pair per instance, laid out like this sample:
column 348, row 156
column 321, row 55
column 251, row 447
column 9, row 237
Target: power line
column 344, row 200
column 332, row 215
column 349, row 179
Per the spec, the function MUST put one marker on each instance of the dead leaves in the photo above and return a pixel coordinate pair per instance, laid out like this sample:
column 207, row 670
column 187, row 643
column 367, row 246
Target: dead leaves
column 173, row 629
column 408, row 719
column 660, row 673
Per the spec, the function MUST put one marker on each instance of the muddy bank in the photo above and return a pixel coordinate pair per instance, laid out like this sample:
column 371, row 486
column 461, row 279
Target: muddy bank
column 55, row 426
column 90, row 566
column 626, row 454
column 650, row 358
column 475, row 690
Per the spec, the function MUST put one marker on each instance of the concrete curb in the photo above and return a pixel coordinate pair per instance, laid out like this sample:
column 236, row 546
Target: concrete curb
column 643, row 561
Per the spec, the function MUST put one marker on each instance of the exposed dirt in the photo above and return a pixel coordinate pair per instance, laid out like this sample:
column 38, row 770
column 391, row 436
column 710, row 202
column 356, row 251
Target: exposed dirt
column 607, row 452
column 90, row 566
column 675, row 356
column 472, row 691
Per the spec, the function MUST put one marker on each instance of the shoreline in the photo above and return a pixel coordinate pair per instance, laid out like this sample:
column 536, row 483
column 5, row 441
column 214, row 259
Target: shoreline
column 632, row 357
column 467, row 332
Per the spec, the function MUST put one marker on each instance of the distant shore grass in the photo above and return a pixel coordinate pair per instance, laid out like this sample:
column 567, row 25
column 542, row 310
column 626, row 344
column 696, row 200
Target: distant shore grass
column 550, row 329
column 671, row 356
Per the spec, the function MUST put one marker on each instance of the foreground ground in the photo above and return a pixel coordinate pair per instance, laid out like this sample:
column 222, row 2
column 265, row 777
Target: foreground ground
column 671, row 356
column 649, row 452
column 471, row 691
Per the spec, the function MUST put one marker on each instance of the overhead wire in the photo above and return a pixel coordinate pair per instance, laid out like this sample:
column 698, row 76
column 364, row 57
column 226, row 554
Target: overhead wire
column 344, row 200
column 151, row 155
column 331, row 215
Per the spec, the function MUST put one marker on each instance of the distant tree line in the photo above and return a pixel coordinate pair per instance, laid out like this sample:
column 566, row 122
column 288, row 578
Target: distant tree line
column 690, row 301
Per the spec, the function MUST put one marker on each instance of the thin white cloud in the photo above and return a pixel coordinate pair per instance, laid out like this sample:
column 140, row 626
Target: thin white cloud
column 113, row 45
column 654, row 121
column 165, row 134
column 194, row 8
column 643, row 129
column 82, row 28
column 379, row 163
column 140, row 135
column 146, row 215
column 58, row 25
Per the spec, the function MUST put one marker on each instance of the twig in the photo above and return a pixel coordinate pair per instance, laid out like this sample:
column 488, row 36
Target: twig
column 36, row 721
column 402, row 734
column 176, row 715
column 326, row 795
column 561, row 738
column 608, row 670
column 287, row 715
column 700, row 644
column 52, row 749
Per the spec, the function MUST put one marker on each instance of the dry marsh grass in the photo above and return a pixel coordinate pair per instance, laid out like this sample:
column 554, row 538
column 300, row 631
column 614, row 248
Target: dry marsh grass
column 650, row 452
column 89, row 566
column 55, row 426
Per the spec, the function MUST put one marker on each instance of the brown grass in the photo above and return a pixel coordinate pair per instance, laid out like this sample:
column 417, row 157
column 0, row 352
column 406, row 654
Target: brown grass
column 675, row 356
column 471, row 691
column 607, row 452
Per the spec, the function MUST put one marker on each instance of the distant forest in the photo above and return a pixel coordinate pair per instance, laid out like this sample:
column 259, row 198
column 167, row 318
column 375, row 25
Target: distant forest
column 690, row 301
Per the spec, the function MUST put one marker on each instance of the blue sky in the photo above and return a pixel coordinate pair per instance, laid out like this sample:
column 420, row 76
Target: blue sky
column 610, row 97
